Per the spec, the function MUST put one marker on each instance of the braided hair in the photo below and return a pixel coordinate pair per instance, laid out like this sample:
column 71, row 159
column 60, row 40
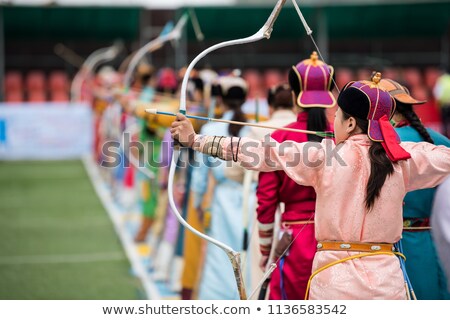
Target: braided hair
column 408, row 113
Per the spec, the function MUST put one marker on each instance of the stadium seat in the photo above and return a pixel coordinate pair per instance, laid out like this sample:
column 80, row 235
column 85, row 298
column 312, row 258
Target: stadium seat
column 35, row 81
column 272, row 78
column 363, row 74
column 429, row 112
column 392, row 73
column 420, row 92
column 255, row 85
column 58, row 81
column 412, row 77
column 59, row 96
column 14, row 96
column 37, row 96
column 431, row 76
column 343, row 76
column 13, row 81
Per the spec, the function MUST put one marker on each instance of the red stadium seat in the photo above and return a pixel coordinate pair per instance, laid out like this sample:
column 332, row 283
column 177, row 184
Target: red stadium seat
column 272, row 78
column 429, row 112
column 412, row 77
column 391, row 73
column 37, row 96
column 363, row 74
column 255, row 85
column 420, row 93
column 58, row 81
column 343, row 76
column 13, row 81
column 59, row 96
column 35, row 81
column 14, row 96
column 431, row 77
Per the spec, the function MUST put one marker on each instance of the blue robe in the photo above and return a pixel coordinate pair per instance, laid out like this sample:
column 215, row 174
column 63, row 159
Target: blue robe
column 422, row 263
column 218, row 281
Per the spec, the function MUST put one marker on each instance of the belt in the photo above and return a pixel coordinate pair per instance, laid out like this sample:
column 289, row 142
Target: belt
column 354, row 246
column 416, row 224
column 286, row 224
column 375, row 250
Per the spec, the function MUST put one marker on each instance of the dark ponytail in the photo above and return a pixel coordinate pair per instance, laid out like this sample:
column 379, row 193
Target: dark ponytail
column 238, row 115
column 317, row 121
column 407, row 111
column 381, row 166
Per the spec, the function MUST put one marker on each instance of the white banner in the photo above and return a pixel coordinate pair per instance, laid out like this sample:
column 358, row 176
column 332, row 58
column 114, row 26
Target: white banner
column 233, row 310
column 49, row 131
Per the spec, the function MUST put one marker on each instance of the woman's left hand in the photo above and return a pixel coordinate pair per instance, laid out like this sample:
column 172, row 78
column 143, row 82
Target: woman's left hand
column 183, row 131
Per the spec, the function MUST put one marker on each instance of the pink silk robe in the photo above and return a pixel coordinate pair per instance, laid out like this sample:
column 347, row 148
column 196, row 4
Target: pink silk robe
column 340, row 182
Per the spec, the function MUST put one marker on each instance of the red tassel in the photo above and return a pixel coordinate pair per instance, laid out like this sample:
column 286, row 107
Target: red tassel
column 393, row 149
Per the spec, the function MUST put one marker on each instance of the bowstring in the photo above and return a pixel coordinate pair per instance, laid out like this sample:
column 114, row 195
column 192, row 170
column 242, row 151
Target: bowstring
column 309, row 32
column 321, row 134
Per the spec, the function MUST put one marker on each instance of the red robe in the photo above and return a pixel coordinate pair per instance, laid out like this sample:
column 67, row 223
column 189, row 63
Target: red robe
column 300, row 202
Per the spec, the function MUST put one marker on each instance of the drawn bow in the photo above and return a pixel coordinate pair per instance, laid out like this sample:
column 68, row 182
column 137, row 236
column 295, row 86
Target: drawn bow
column 264, row 32
column 174, row 34
column 169, row 33
column 309, row 32
column 97, row 57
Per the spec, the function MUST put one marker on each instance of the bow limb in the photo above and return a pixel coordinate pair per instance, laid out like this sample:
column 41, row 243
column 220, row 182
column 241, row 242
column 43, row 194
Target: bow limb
column 232, row 255
column 94, row 59
column 152, row 46
column 103, row 55
column 247, row 215
column 264, row 32
column 155, row 44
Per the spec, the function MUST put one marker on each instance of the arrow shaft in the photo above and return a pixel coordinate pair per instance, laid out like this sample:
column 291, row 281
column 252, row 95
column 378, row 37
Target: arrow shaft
column 249, row 124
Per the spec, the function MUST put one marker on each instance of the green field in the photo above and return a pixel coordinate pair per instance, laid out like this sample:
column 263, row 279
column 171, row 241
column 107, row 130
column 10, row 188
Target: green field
column 56, row 240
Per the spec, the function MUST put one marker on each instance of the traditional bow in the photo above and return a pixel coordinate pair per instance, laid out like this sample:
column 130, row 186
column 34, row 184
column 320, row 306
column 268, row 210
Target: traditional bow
column 264, row 32
column 97, row 57
column 309, row 32
column 168, row 34
column 155, row 44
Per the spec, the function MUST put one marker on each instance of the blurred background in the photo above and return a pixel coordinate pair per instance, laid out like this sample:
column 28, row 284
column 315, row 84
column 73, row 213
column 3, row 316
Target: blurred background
column 66, row 229
column 45, row 42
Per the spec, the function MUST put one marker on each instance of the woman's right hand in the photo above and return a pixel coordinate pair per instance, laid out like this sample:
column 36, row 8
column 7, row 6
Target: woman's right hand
column 183, row 131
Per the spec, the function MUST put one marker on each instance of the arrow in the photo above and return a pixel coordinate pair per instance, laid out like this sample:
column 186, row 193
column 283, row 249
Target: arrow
column 249, row 124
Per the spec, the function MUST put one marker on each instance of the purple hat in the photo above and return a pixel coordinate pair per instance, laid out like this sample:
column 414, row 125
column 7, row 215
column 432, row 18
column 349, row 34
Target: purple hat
column 315, row 79
column 368, row 100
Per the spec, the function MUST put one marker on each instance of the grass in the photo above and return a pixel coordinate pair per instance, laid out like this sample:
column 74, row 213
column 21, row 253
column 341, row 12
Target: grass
column 56, row 240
